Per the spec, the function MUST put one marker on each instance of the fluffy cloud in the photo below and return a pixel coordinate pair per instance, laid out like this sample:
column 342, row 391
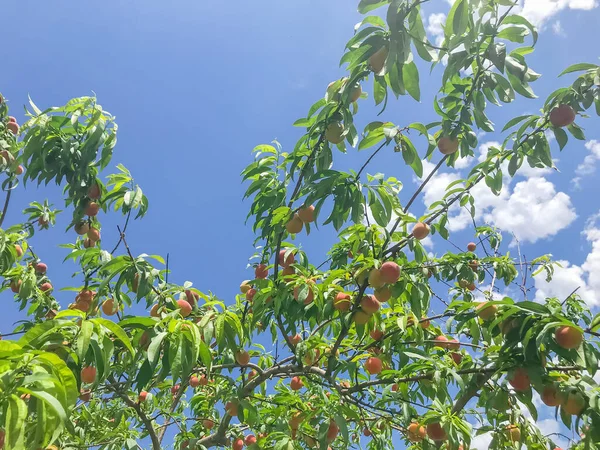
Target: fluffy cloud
column 435, row 26
column 532, row 209
column 558, row 29
column 588, row 166
column 571, row 276
column 540, row 11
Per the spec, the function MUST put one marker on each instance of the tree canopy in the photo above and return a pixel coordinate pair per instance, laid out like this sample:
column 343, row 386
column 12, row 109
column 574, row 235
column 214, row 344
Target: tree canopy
column 374, row 342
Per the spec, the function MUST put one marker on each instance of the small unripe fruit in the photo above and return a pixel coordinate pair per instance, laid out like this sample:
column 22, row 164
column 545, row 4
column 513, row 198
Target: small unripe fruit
column 245, row 286
column 242, row 357
column 88, row 374
column 18, row 250
column 185, row 309
column 377, row 59
column 420, row 230
column 334, row 133
column 82, row 228
column 295, row 225
column 562, row 116
column 261, row 271
column 142, row 396
column 375, row 279
column 448, row 145
column 307, row 214
column 568, row 337
column 46, row 287
column 471, row 246
column 92, row 209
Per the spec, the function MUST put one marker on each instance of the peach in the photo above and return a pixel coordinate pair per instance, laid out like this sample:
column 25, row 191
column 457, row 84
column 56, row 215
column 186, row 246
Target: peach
column 242, row 357
column 46, row 287
column 94, row 192
column 18, row 250
column 448, row 145
column 383, row 294
column 13, row 127
column 420, row 230
column 373, row 365
column 377, row 59
column 245, row 286
column 295, row 340
column 551, row 396
column 92, row 209
column 192, row 297
column 335, row 133
column 296, row 384
column 456, row 357
column 250, row 439
column 154, row 311
column 93, row 234
column 361, row 317
column 285, row 261
column 238, row 444
column 436, row 432
column 261, row 271
column 375, row 279
column 250, row 294
column 376, row 334
column 294, row 225
column 82, row 228
column 185, row 309
column 15, row 286
column 231, row 408
column 88, row 374
column 307, row 214
column 574, row 404
column 142, row 397
column 208, row 424
column 87, row 243
column 369, row 304
column 513, row 432
column 309, row 298
column 441, row 341
column 416, row 432
column 194, row 381
column 19, row 170
column 471, row 246
column 342, row 301
column 562, row 116
column 109, row 307
column 390, row 272
column 519, row 380
column 486, row 311
column 355, row 92
column 332, row 431
column 568, row 337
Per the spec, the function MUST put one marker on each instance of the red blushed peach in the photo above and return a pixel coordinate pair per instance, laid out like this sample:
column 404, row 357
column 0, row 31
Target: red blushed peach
column 342, row 302
column 519, row 380
column 94, row 192
column 448, row 145
column 261, row 271
column 390, row 272
column 436, row 432
column 562, row 116
column 373, row 365
column 295, row 225
column 307, row 214
column 283, row 260
column 185, row 309
column 92, row 209
column 242, row 357
column 88, row 374
column 46, row 287
column 420, row 230
column 568, row 337
column 369, row 304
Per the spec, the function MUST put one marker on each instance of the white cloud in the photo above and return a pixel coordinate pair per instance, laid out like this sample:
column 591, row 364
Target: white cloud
column 588, row 166
column 435, row 26
column 558, row 29
column 482, row 442
column 540, row 11
column 571, row 276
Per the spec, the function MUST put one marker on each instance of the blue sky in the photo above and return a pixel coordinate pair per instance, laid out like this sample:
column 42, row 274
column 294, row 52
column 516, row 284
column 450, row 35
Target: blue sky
column 196, row 85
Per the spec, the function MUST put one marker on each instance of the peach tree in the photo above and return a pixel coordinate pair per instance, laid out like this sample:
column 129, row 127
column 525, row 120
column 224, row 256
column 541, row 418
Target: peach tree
column 358, row 354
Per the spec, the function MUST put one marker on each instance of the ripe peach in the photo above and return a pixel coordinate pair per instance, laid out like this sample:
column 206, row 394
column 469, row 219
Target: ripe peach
column 287, row 271
column 261, row 271
column 175, row 389
column 295, row 340
column 390, row 272
column 242, row 357
column 342, row 302
column 185, row 309
column 441, row 341
column 250, row 439
column 296, row 384
column 474, row 265
column 471, row 246
column 18, row 250
column 334, row 132
column 369, row 304
column 296, row 421
column 377, row 59
column 373, row 365
column 420, row 230
column 82, row 228
column 19, row 170
column 285, row 261
column 376, row 334
column 154, row 311
column 448, row 145
column 94, row 192
column 231, row 408
column 202, row 380
column 568, row 337
column 551, row 396
column 142, row 396
column 208, row 424
column 519, row 380
column 109, row 307
column 361, row 317
column 294, row 225
column 562, row 115
column 85, row 395
column 332, row 431
column 13, row 127
column 46, row 287
column 383, row 294
column 92, row 209
column 238, row 444
column 366, row 432
column 513, row 432
column 15, row 286
column 436, row 432
column 93, row 234
column 416, row 432
column 88, row 374
column 192, row 297
column 574, row 404
column 375, row 280
column 456, row 357
column 307, row 214
column 194, row 381
column 424, row 324
column 245, row 286
column 87, row 243
column 309, row 297
column 486, row 311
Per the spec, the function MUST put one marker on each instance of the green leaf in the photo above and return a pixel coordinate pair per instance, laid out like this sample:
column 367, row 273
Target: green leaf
column 513, row 34
column 117, row 331
column 369, row 5
column 155, row 347
column 561, row 137
column 576, row 131
column 512, row 122
column 498, row 55
column 520, row 20
column 16, row 412
column 578, row 67
column 83, row 340
column 410, row 75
